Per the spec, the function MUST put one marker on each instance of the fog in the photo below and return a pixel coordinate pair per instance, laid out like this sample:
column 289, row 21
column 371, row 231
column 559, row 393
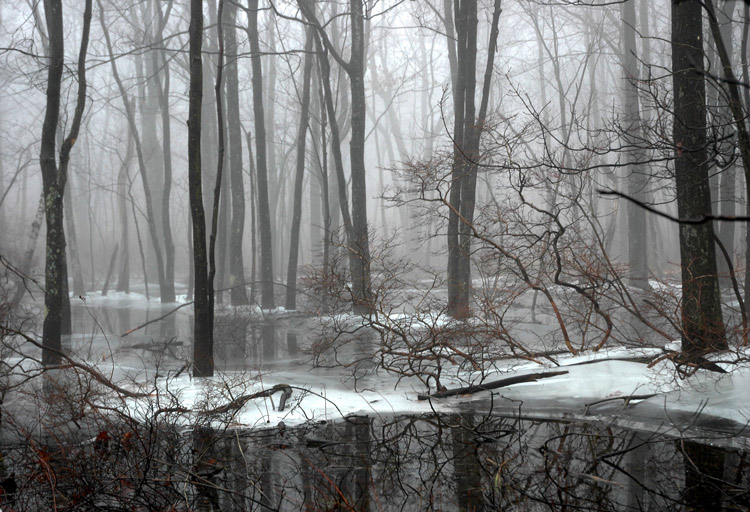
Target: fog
column 219, row 218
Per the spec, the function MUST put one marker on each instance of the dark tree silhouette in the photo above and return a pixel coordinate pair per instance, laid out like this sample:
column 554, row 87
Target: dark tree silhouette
column 702, row 324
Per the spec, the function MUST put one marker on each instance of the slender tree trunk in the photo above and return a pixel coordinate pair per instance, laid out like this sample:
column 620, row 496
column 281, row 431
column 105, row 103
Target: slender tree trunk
column 219, row 164
column 738, row 113
column 222, row 207
column 291, row 281
column 191, row 263
column 160, row 57
column 28, row 255
column 130, row 115
column 322, row 166
column 702, row 324
column 203, row 364
column 72, row 241
column 335, row 142
column 633, row 135
column 253, row 215
column 123, row 284
column 264, row 216
column 317, row 235
column 236, row 261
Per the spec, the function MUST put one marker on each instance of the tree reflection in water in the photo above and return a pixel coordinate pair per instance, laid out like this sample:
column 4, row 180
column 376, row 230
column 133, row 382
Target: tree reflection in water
column 472, row 463
column 455, row 462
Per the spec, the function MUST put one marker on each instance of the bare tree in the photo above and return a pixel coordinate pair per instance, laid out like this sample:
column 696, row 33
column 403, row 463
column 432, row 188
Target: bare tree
column 358, row 238
column 264, row 212
column 702, row 323
column 57, row 318
column 236, row 262
column 291, row 282
column 203, row 364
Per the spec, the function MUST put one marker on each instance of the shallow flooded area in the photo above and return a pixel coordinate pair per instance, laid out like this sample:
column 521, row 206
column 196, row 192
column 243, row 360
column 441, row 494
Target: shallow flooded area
column 466, row 453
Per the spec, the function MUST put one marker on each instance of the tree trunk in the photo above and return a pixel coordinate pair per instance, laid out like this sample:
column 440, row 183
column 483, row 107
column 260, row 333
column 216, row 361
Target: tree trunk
column 203, row 364
column 219, row 164
column 264, row 216
column 291, row 281
column 702, row 324
column 160, row 57
column 123, row 284
column 221, row 204
column 633, row 135
column 55, row 272
column 236, row 261
column 28, row 255
column 72, row 241
column 57, row 303
column 360, row 242
column 467, row 135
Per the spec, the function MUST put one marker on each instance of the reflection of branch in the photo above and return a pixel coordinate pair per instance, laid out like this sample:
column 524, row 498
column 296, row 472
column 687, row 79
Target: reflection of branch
column 701, row 220
column 518, row 379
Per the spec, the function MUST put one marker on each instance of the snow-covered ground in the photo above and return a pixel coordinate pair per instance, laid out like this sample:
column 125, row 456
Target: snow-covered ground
column 607, row 377
column 595, row 383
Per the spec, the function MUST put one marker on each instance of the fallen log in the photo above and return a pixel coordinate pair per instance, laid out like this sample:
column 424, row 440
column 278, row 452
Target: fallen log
column 468, row 390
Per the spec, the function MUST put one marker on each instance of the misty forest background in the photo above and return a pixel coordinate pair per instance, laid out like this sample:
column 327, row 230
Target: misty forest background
column 491, row 150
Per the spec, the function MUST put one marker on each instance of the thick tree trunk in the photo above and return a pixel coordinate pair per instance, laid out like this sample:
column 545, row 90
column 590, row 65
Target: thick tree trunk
column 57, row 303
column 702, row 324
column 264, row 215
column 468, row 159
column 203, row 364
column 454, row 197
column 360, row 243
column 291, row 281
column 236, row 261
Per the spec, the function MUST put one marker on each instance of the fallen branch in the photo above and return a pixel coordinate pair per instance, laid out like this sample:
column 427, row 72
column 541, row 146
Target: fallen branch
column 153, row 347
column 626, row 398
column 468, row 390
column 240, row 402
column 129, row 331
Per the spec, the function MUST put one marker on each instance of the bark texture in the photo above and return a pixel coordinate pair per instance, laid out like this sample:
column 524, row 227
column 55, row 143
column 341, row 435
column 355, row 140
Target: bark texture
column 702, row 324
